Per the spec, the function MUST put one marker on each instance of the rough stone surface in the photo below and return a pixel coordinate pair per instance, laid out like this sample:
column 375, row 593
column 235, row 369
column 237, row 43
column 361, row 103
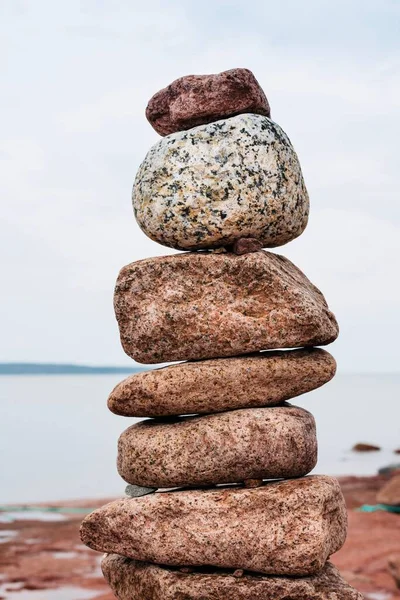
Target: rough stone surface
column 390, row 492
column 206, row 305
column 133, row 580
column 229, row 447
column 220, row 384
column 209, row 186
column 283, row 528
column 245, row 245
column 199, row 99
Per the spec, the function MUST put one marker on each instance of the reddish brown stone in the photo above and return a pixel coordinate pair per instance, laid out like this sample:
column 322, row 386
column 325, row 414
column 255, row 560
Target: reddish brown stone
column 228, row 447
column 134, row 580
column 220, row 384
column 390, row 492
column 205, row 305
column 246, row 245
column 282, row 528
column 199, row 99
column 361, row 447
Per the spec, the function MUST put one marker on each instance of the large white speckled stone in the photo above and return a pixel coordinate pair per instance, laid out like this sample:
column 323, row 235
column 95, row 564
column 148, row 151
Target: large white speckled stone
column 210, row 185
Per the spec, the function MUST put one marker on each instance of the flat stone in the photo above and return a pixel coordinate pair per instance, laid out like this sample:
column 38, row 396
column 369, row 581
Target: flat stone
column 220, row 384
column 283, row 528
column 136, row 491
column 207, row 187
column 198, row 99
column 206, row 305
column 229, row 447
column 133, row 580
column 390, row 492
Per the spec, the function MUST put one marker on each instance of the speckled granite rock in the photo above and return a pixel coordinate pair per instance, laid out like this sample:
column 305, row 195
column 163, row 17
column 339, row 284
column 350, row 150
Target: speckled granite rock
column 229, row 447
column 198, row 99
column 235, row 178
column 133, row 580
column 283, row 528
column 220, row 384
column 206, row 305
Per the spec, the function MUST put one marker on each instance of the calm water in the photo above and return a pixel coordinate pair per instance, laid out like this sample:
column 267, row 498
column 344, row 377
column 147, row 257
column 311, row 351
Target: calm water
column 59, row 440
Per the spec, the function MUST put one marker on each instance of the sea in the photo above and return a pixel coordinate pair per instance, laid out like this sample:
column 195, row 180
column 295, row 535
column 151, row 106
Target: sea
column 59, row 441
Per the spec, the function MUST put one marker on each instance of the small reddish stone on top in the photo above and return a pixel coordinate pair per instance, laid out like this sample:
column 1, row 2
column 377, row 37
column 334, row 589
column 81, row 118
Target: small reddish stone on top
column 199, row 99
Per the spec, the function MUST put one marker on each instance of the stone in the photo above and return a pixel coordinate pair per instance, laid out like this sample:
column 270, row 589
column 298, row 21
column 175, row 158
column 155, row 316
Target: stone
column 207, row 187
column 220, row 384
column 199, row 99
column 133, row 580
column 390, row 492
column 245, row 245
column 136, row 491
column 394, row 568
column 389, row 469
column 229, row 447
column 283, row 528
column 361, row 447
column 205, row 305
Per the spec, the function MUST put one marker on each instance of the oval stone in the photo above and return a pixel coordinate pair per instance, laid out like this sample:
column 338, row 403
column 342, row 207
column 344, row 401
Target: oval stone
column 134, row 580
column 229, row 447
column 213, row 184
column 282, row 528
column 220, row 384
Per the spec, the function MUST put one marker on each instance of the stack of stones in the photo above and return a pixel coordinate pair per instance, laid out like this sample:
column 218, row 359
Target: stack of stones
column 202, row 518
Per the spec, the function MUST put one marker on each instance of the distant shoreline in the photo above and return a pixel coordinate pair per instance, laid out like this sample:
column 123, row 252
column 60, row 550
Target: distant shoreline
column 62, row 369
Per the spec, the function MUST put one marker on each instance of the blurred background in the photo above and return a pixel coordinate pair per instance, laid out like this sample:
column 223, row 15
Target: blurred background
column 76, row 78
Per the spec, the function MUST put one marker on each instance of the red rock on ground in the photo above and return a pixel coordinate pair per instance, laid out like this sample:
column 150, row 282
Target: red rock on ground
column 199, row 99
column 390, row 493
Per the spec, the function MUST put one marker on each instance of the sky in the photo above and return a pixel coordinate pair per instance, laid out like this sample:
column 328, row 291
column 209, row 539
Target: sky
column 75, row 81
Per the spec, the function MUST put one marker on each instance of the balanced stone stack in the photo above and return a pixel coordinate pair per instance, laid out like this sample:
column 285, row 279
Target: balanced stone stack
column 202, row 518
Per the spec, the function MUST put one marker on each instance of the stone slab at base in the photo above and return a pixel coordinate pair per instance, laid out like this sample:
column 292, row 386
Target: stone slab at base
column 133, row 580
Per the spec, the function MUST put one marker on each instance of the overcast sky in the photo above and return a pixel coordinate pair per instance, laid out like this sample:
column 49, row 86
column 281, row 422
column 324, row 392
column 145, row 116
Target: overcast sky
column 75, row 81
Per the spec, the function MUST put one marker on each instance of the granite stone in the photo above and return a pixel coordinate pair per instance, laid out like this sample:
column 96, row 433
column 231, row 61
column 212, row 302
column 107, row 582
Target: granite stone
column 207, row 305
column 220, row 384
column 209, row 186
column 198, row 99
column 133, row 580
column 229, row 447
column 282, row 528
